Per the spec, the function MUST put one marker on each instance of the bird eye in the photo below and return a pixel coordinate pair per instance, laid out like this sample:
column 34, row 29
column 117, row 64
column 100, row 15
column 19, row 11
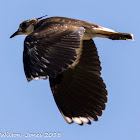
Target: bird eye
column 23, row 25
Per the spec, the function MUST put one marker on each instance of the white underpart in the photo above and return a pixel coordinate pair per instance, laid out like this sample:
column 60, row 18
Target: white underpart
column 96, row 32
column 105, row 29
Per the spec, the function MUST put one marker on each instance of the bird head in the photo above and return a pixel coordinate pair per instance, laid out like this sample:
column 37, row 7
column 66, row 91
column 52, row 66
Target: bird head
column 26, row 27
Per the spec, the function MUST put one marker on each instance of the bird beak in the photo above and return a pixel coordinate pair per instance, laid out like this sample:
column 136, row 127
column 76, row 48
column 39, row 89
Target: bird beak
column 16, row 33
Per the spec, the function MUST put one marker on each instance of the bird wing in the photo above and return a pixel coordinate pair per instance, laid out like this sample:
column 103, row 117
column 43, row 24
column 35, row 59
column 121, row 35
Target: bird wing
column 51, row 49
column 80, row 92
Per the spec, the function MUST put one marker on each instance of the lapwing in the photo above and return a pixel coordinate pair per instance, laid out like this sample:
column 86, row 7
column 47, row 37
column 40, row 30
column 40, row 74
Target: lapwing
column 63, row 49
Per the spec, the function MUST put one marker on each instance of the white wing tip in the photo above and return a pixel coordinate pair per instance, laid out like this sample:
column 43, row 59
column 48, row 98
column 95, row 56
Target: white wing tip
column 132, row 37
column 37, row 78
column 69, row 120
column 78, row 120
column 86, row 120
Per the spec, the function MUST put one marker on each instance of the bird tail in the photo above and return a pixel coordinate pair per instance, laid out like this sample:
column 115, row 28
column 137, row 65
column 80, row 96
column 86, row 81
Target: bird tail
column 111, row 34
column 121, row 36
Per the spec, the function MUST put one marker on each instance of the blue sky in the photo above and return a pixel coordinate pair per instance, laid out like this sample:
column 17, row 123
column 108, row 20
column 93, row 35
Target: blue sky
column 30, row 107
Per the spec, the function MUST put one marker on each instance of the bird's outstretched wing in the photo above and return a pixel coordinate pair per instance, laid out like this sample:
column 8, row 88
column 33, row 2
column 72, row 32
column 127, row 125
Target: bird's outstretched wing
column 80, row 92
column 51, row 49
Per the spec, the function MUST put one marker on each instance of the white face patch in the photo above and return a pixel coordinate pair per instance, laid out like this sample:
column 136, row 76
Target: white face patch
column 29, row 29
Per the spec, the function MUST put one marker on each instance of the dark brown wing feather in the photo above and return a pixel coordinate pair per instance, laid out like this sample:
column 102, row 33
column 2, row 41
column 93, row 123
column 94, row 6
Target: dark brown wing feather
column 51, row 49
column 80, row 92
column 68, row 21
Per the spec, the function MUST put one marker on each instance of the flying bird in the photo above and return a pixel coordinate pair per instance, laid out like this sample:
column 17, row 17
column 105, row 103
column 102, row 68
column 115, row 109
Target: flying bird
column 62, row 49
